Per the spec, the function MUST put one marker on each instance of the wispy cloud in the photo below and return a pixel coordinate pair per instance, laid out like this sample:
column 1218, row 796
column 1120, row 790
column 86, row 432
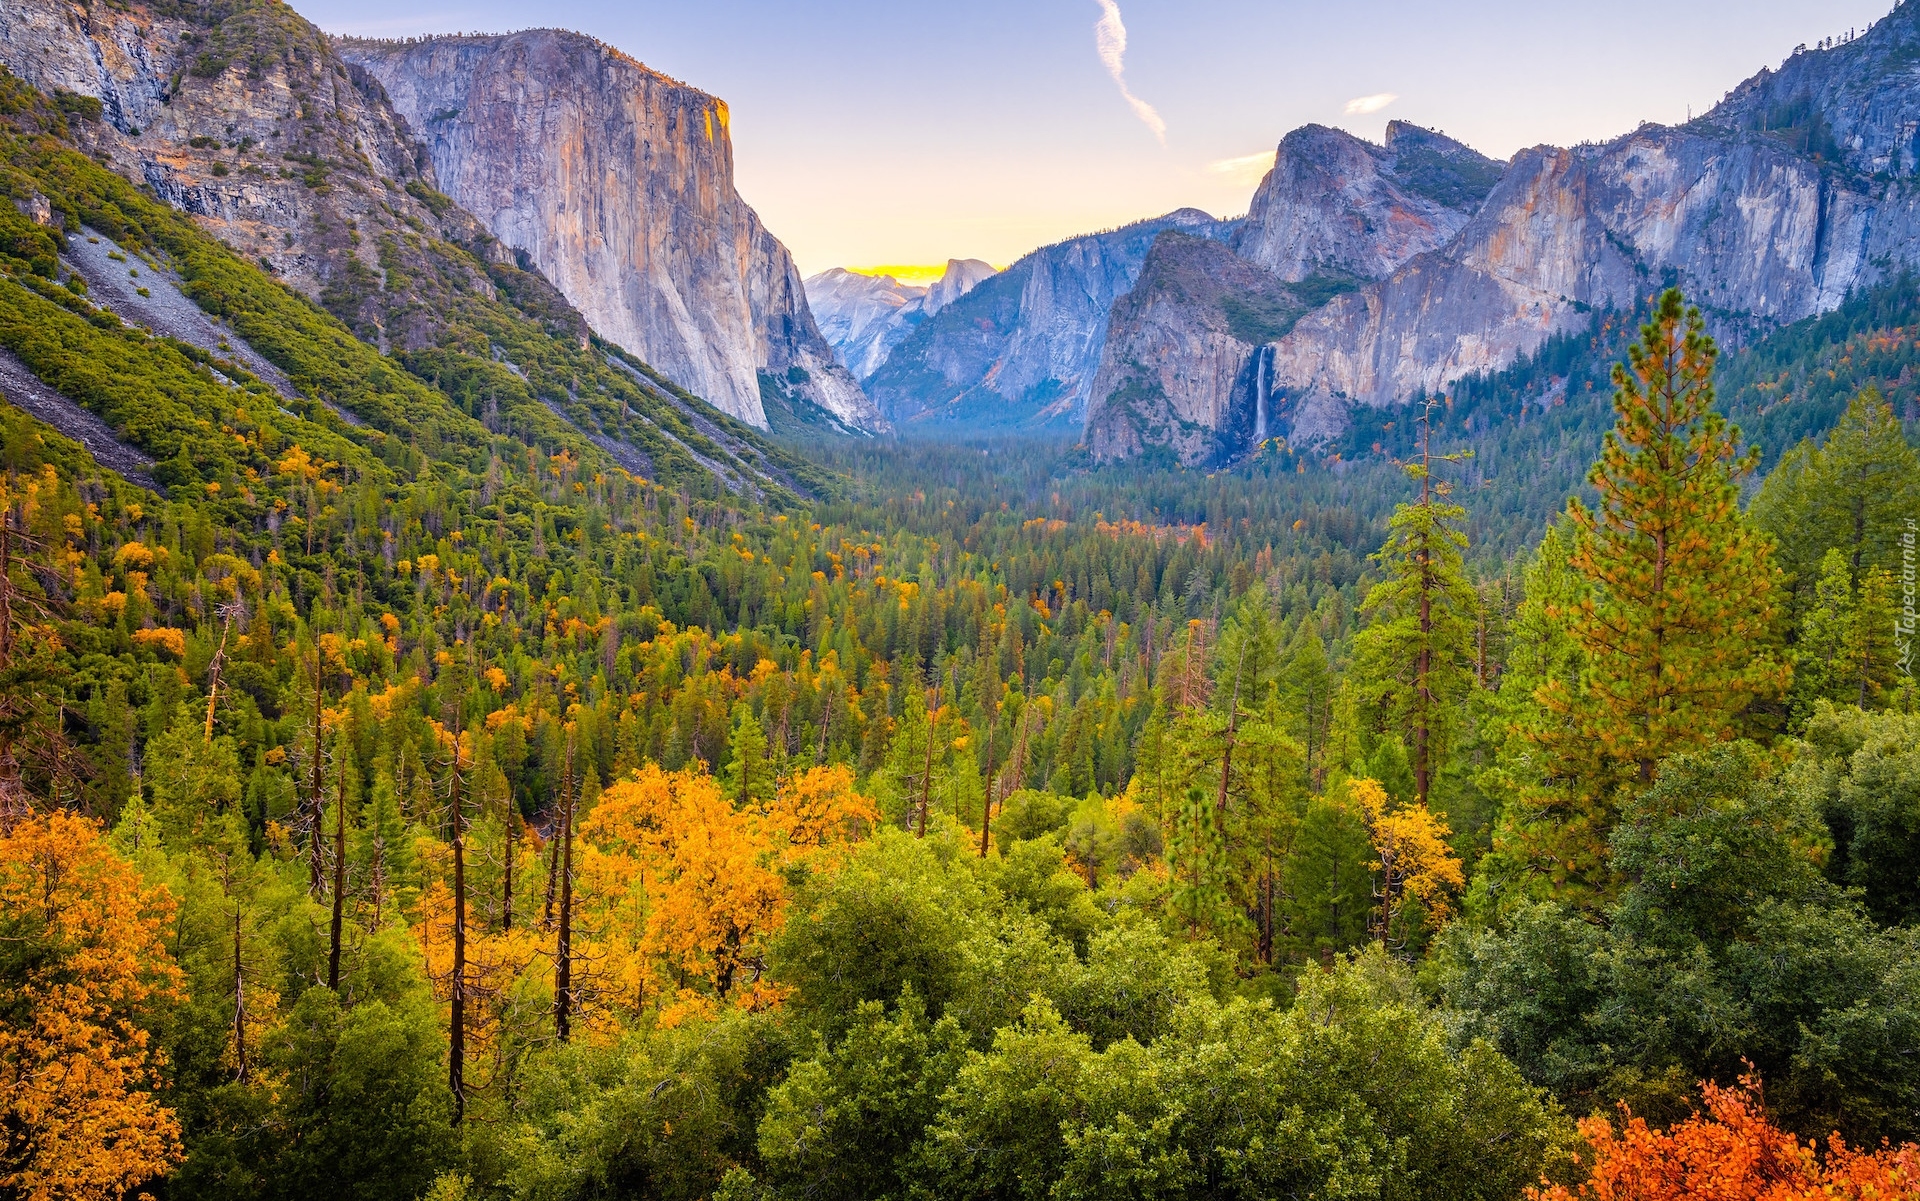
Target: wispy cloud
column 1110, row 39
column 1246, row 169
column 1362, row 105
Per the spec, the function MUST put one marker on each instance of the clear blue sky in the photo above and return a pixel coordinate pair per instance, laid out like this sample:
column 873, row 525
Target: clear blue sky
column 909, row 131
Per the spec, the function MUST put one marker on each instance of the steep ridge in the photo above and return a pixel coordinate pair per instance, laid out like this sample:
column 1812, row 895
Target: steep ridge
column 1022, row 348
column 1178, row 364
column 1337, row 207
column 243, row 117
column 865, row 316
column 617, row 184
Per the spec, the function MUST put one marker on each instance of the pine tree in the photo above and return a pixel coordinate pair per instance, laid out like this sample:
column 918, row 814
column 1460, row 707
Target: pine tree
column 1680, row 595
column 1852, row 492
column 1414, row 664
column 1305, row 687
column 1519, row 729
column 1844, row 652
column 749, row 778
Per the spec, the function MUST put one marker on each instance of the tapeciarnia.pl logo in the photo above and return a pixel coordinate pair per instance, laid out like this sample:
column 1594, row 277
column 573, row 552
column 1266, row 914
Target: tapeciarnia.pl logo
column 1903, row 622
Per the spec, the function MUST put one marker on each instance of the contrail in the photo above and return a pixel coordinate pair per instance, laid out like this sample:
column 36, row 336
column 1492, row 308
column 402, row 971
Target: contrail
column 1110, row 39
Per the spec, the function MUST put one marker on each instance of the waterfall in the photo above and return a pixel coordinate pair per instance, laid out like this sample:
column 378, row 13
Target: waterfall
column 1262, row 358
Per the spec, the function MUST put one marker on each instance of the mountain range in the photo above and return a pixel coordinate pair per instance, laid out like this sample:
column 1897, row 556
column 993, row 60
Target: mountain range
column 865, row 316
column 1383, row 273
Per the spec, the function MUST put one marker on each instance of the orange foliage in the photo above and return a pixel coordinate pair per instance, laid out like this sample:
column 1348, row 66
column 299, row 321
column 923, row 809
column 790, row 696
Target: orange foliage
column 818, row 811
column 85, row 964
column 1732, row 1153
column 171, row 641
column 666, row 856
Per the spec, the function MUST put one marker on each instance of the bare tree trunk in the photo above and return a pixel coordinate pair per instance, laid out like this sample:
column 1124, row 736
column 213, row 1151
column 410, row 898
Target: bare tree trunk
column 317, row 777
column 986, row 805
column 457, row 992
column 506, row 887
column 339, row 883
column 826, row 723
column 563, row 951
column 239, row 1005
column 926, row 777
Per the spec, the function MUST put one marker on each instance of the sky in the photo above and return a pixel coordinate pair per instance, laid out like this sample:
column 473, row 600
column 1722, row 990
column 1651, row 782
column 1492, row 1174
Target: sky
column 907, row 132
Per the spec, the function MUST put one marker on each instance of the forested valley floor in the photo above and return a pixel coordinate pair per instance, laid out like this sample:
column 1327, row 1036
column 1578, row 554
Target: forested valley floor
column 401, row 798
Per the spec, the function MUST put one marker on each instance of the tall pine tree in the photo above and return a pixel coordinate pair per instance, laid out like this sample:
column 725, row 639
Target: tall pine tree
column 1675, row 622
column 1414, row 664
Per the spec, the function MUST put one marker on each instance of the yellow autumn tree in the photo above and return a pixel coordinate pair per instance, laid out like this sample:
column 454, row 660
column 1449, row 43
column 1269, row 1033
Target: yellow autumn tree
column 83, row 971
column 711, row 895
column 1419, row 872
column 816, row 813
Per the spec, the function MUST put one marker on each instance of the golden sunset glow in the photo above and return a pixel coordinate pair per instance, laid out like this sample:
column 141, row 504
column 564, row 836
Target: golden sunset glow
column 914, row 275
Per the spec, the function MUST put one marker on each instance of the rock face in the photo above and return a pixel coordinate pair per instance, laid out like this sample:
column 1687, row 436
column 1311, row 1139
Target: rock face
column 1179, row 365
column 862, row 316
column 1767, row 210
column 865, row 316
column 617, row 183
column 1021, row 348
column 961, row 277
column 252, row 124
column 1747, row 227
column 1337, row 207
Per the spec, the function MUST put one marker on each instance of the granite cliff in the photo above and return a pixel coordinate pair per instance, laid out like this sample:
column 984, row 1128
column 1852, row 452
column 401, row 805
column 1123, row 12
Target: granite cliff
column 242, row 116
column 1021, row 349
column 616, row 182
column 1340, row 208
column 1767, row 210
column 247, row 120
column 1178, row 369
column 865, row 316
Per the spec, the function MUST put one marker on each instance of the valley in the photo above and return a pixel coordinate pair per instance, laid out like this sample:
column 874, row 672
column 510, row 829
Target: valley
column 508, row 690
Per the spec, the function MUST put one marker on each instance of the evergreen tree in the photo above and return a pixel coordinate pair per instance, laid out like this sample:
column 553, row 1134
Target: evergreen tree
column 1844, row 652
column 1852, row 492
column 1519, row 729
column 749, row 777
column 1305, row 687
column 1414, row 663
column 901, row 777
column 1680, row 595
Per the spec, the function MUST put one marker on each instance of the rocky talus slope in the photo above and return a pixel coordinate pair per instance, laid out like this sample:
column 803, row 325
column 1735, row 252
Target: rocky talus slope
column 242, row 116
column 616, row 182
column 246, row 119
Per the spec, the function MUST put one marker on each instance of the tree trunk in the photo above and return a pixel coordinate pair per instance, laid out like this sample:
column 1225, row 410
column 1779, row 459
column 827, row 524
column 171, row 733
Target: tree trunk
column 239, row 1005
column 506, row 887
column 339, row 887
column 317, row 778
column 926, row 777
column 563, row 951
column 457, row 1019
column 986, row 805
